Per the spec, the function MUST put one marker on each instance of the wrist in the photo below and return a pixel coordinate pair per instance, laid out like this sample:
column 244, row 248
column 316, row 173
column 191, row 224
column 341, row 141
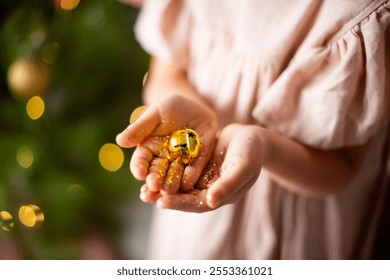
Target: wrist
column 166, row 79
column 265, row 138
column 253, row 137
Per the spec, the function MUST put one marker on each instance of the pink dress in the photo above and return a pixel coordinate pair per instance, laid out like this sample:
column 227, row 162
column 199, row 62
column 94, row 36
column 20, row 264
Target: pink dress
column 316, row 71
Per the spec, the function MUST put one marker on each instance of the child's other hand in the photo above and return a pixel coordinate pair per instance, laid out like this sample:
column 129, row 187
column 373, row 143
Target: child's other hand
column 150, row 133
column 234, row 167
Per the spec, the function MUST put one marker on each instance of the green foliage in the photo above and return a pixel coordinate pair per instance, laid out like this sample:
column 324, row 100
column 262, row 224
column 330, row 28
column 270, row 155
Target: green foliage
column 96, row 82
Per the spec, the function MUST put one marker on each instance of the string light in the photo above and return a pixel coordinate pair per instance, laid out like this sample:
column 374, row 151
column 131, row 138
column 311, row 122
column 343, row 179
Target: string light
column 31, row 216
column 6, row 221
column 111, row 157
column 35, row 107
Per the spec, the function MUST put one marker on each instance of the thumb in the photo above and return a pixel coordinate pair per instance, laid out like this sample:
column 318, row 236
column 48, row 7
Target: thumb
column 240, row 168
column 138, row 131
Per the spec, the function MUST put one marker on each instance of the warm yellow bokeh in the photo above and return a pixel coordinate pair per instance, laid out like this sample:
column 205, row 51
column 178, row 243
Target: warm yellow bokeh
column 35, row 107
column 25, row 157
column 145, row 78
column 31, row 216
column 6, row 221
column 111, row 157
column 69, row 4
column 27, row 77
column 137, row 113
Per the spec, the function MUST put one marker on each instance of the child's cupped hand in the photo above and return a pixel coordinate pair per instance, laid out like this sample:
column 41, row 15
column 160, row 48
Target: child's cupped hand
column 223, row 172
column 150, row 133
column 233, row 168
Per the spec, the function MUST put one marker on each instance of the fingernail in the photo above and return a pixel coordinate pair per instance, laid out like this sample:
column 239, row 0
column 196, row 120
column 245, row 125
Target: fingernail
column 160, row 204
column 117, row 138
column 210, row 200
column 142, row 196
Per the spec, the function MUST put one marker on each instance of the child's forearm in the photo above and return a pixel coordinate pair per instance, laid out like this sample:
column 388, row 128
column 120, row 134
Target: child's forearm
column 166, row 79
column 298, row 167
column 308, row 170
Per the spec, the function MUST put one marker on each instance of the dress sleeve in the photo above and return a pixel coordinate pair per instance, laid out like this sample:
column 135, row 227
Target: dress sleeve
column 162, row 29
column 337, row 95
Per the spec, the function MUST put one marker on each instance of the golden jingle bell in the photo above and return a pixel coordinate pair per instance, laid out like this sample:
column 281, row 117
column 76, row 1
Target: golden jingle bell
column 184, row 143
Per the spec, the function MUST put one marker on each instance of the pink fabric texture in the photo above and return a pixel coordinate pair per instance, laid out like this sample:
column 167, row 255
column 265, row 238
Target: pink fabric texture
column 315, row 71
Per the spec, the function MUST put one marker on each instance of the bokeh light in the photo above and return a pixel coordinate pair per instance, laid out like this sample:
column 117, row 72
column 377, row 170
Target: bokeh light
column 27, row 77
column 31, row 216
column 35, row 107
column 75, row 188
column 96, row 17
column 145, row 78
column 137, row 113
column 111, row 157
column 50, row 52
column 25, row 157
column 6, row 221
column 69, row 4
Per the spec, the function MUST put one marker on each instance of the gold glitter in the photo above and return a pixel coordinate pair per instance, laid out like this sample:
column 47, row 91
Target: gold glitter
column 174, row 173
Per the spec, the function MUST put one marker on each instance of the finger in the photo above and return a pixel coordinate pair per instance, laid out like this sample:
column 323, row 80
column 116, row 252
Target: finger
column 208, row 177
column 148, row 196
column 195, row 201
column 233, row 198
column 212, row 170
column 193, row 171
column 237, row 170
column 139, row 163
column 173, row 177
column 157, row 171
column 136, row 132
column 157, row 145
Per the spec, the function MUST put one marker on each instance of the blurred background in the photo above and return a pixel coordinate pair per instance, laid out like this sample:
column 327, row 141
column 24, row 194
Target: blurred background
column 71, row 73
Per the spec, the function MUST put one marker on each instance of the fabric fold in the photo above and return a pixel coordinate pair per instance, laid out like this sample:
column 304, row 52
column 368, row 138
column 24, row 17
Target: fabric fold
column 336, row 95
column 162, row 29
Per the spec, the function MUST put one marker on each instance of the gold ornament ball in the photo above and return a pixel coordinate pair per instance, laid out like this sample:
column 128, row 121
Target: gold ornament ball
column 184, row 143
column 27, row 77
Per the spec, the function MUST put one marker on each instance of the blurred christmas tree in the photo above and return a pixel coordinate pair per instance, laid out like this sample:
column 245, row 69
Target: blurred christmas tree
column 71, row 72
